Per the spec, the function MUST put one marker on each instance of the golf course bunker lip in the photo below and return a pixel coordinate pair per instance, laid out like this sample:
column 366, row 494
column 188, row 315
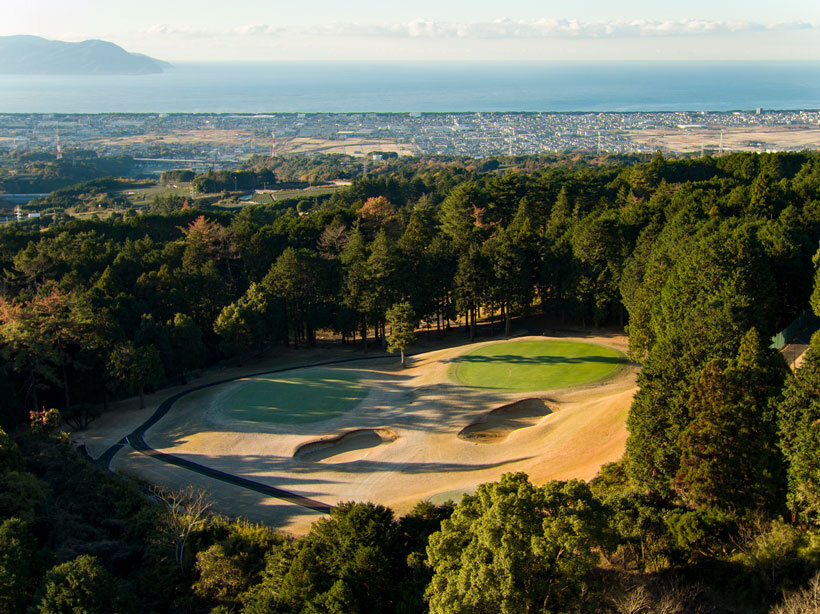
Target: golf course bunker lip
column 328, row 447
column 496, row 425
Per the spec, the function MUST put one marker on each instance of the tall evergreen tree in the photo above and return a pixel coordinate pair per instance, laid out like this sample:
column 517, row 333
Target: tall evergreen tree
column 799, row 421
column 402, row 322
column 729, row 454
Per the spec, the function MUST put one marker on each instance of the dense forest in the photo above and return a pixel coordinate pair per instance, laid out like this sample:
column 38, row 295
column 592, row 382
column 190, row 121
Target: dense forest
column 714, row 508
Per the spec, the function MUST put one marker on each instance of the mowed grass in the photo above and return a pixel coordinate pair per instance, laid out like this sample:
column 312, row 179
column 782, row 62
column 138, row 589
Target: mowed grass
column 308, row 395
column 535, row 365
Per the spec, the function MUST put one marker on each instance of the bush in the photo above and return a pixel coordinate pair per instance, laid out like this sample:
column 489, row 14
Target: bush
column 78, row 586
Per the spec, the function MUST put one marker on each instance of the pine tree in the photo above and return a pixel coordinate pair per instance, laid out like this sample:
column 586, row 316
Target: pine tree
column 402, row 322
column 799, row 422
column 729, row 455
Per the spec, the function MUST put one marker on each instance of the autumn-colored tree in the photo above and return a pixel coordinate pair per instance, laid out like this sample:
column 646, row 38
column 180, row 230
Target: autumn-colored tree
column 42, row 336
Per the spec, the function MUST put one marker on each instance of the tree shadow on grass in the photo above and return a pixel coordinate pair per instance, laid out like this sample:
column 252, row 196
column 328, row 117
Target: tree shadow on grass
column 537, row 360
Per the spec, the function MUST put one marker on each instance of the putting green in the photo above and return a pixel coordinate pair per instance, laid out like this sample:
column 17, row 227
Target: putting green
column 307, row 395
column 535, row 365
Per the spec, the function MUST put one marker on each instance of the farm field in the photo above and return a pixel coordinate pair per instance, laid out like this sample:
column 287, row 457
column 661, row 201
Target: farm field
column 371, row 431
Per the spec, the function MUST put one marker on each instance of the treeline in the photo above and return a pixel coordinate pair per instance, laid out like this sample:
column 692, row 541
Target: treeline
column 588, row 244
column 219, row 181
column 319, row 168
column 716, row 502
column 85, row 195
column 322, row 168
column 40, row 172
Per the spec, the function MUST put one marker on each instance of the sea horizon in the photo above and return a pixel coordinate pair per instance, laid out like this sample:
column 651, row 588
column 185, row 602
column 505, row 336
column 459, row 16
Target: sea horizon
column 431, row 87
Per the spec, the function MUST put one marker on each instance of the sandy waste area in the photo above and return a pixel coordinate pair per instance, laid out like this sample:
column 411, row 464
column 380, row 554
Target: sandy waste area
column 416, row 435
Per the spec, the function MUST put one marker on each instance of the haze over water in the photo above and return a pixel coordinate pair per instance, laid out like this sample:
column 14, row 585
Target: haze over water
column 426, row 87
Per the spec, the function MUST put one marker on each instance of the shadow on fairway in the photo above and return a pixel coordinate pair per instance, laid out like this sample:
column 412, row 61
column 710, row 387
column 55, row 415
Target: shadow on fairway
column 496, row 425
column 295, row 398
column 284, row 472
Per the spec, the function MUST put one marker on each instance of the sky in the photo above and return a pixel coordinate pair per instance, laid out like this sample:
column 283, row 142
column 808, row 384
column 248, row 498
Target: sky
column 428, row 30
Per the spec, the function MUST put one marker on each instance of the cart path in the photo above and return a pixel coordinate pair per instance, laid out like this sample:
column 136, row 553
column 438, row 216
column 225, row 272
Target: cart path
column 136, row 440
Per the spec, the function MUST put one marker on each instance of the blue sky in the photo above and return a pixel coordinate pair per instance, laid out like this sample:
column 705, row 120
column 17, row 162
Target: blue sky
column 184, row 30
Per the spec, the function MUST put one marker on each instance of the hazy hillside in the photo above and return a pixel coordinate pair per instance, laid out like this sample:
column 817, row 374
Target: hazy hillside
column 26, row 55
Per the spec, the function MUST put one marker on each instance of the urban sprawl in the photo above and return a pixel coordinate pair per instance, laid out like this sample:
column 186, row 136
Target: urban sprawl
column 202, row 137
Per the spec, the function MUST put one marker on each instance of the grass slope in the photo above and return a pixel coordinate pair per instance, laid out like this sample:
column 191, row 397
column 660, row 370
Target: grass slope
column 535, row 365
column 304, row 396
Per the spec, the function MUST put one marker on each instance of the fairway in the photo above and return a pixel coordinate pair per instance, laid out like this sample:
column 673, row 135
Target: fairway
column 535, row 365
column 298, row 397
column 375, row 432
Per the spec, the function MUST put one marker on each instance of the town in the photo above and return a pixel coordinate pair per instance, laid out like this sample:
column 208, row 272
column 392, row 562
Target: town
column 223, row 139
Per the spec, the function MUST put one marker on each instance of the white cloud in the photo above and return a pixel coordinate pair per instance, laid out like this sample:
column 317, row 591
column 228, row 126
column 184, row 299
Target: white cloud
column 258, row 30
column 553, row 28
column 162, row 29
column 546, row 28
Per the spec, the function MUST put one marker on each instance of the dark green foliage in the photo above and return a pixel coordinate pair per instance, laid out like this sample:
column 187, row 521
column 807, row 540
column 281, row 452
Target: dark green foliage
column 18, row 565
column 136, row 367
column 10, row 458
column 20, row 494
column 815, row 295
column 177, row 176
column 350, row 562
column 402, row 322
column 39, row 172
column 799, row 420
column 513, row 548
column 729, row 456
column 690, row 254
column 236, row 180
column 78, row 586
column 710, row 296
column 232, row 565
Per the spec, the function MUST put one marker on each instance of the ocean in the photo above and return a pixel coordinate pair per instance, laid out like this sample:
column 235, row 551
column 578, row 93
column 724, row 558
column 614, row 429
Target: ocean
column 425, row 87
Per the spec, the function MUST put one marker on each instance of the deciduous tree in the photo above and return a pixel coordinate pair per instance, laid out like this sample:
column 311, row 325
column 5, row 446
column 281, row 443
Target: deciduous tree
column 513, row 548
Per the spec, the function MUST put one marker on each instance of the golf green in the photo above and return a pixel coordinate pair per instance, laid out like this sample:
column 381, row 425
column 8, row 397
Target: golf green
column 307, row 395
column 535, row 365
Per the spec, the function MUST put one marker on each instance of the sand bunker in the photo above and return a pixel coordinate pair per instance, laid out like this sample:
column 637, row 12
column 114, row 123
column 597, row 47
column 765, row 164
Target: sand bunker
column 360, row 439
column 495, row 426
column 396, row 447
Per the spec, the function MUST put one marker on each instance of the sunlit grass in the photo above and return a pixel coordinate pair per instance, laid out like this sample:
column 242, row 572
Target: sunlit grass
column 535, row 365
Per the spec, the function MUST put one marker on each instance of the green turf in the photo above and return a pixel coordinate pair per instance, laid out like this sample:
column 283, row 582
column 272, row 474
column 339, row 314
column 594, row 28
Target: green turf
column 307, row 395
column 535, row 365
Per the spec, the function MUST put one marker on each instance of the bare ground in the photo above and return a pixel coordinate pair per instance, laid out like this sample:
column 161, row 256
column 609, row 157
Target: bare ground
column 420, row 406
column 336, row 448
column 499, row 423
column 758, row 138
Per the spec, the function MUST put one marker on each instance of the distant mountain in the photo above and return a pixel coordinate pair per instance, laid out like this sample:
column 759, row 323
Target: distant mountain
column 32, row 55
